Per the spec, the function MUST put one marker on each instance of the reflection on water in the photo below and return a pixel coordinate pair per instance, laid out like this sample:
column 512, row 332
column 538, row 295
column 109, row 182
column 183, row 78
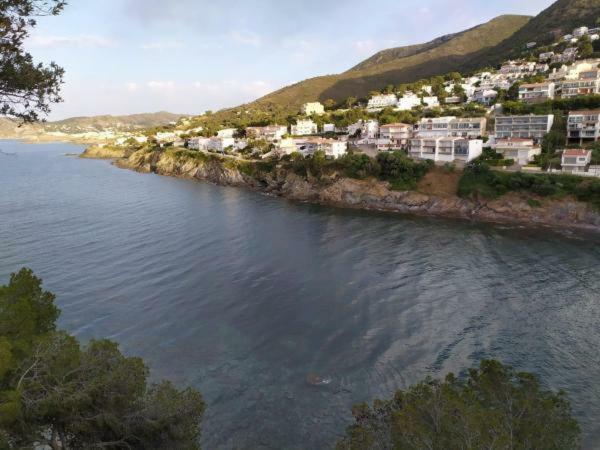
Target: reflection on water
column 286, row 314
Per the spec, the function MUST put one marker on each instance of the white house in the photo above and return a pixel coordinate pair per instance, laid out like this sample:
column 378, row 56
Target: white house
column 574, row 161
column 446, row 149
column 408, row 101
column 270, row 133
column 379, row 102
column 226, row 133
column 434, row 127
column 537, row 92
column 394, row 136
column 329, row 128
column 546, row 56
column 220, row 144
column 285, row 146
column 198, row 143
column 431, row 101
column 588, row 83
column 308, row 109
column 522, row 151
column 166, row 136
column 580, row 32
column 485, row 96
column 304, row 128
column 331, row 147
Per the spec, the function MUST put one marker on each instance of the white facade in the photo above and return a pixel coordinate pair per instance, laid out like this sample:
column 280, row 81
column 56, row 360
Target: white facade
column 588, row 83
column 270, row 133
column 583, row 126
column 198, row 143
column 580, row 32
column 226, row 133
column 220, row 144
column 331, row 147
column 394, row 136
column 304, row 128
column 382, row 101
column 531, row 126
column 536, row 92
column 485, row 96
column 408, row 101
column 522, row 151
column 434, row 127
column 308, row 109
column 329, row 128
column 576, row 160
column 468, row 127
column 447, row 149
column 431, row 101
column 168, row 136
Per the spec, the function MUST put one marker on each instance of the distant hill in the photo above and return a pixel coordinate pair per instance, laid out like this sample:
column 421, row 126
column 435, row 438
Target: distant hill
column 488, row 44
column 77, row 125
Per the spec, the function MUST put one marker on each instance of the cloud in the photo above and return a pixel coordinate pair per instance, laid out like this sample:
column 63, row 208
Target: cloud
column 162, row 45
column 161, row 85
column 245, row 38
column 79, row 41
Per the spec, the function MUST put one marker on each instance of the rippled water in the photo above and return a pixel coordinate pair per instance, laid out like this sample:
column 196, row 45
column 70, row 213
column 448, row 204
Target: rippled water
column 244, row 295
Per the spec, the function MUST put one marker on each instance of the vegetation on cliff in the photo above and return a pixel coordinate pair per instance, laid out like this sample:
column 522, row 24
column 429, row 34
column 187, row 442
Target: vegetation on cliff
column 479, row 180
column 58, row 393
column 495, row 407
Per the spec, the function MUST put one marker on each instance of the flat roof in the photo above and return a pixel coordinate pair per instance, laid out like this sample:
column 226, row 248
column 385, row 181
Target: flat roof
column 576, row 152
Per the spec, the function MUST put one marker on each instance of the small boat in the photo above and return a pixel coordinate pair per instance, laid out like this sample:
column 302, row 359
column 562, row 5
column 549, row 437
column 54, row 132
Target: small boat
column 315, row 380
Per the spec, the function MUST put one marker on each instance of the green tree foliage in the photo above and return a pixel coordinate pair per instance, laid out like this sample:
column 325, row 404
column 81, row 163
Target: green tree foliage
column 479, row 180
column 57, row 393
column 27, row 89
column 586, row 49
column 402, row 172
column 495, row 407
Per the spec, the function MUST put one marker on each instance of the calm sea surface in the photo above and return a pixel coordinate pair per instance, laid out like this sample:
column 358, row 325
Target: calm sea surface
column 244, row 296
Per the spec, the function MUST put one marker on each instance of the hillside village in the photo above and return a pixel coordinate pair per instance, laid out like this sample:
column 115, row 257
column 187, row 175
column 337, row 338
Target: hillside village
column 540, row 113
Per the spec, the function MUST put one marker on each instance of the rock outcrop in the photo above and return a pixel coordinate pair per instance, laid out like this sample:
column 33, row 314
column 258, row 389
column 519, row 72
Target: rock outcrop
column 372, row 194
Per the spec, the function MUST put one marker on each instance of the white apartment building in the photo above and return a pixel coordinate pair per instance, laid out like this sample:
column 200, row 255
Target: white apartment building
column 270, row 133
column 408, row 101
column 537, row 92
column 574, row 161
column 583, row 126
column 304, row 128
column 379, row 102
column 446, row 149
column 522, row 151
column 588, row 83
column 394, row 136
column 531, row 126
column 308, row 109
column 468, row 127
column 434, row 127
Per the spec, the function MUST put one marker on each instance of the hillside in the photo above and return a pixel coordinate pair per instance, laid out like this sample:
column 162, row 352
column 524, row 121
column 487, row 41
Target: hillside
column 77, row 125
column 404, row 64
column 488, row 44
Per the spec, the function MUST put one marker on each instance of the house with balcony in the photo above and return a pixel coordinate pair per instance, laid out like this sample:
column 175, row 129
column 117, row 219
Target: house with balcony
column 537, row 92
column 433, row 127
column 486, row 97
column 270, row 133
column 331, row 147
column 304, row 127
column 469, row 127
column 588, row 83
column 394, row 136
column 445, row 149
column 522, row 151
column 576, row 161
column 583, row 126
column 530, row 126
column 379, row 102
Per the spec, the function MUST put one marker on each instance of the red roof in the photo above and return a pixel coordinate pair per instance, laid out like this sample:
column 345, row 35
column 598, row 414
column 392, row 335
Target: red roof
column 576, row 152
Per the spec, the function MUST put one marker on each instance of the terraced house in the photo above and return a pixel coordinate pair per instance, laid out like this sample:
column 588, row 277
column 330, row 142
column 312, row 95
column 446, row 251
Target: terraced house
column 583, row 126
column 530, row 127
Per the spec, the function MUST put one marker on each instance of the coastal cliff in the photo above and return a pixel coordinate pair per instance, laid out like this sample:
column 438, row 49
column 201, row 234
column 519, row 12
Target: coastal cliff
column 435, row 195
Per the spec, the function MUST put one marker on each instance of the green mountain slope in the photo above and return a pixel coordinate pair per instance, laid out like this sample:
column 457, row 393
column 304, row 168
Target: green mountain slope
column 404, row 64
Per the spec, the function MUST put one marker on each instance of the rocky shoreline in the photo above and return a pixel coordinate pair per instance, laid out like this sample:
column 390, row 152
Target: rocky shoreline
column 338, row 191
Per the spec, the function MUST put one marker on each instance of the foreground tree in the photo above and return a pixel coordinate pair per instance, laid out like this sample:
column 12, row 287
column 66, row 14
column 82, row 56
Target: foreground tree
column 57, row 393
column 27, row 89
column 494, row 408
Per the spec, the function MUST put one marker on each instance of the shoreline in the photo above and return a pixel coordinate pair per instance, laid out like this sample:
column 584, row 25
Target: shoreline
column 511, row 209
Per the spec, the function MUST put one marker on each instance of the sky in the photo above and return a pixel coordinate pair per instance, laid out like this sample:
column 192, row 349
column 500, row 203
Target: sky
column 189, row 56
